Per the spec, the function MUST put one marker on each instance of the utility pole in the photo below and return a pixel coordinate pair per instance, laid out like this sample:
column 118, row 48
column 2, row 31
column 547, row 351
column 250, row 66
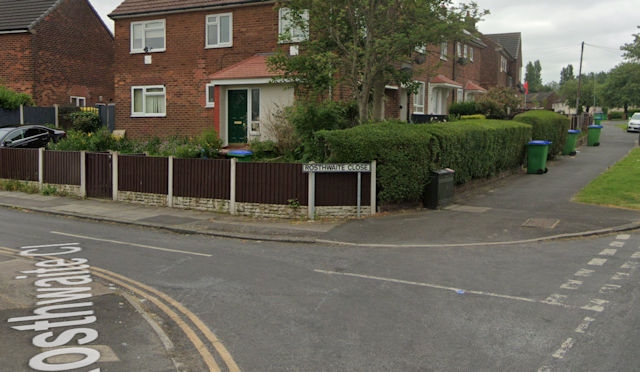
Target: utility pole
column 579, row 78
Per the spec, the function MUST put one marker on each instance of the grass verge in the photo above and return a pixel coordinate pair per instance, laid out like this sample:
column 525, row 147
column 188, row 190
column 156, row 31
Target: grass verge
column 616, row 187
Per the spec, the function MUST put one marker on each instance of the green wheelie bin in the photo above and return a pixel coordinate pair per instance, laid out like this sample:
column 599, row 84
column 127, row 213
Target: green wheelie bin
column 593, row 135
column 570, row 145
column 537, row 152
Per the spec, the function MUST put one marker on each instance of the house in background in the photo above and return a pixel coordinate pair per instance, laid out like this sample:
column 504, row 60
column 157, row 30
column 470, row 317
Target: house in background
column 182, row 67
column 58, row 51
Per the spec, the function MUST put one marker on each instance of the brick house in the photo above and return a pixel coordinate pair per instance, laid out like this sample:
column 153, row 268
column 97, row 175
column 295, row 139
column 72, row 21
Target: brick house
column 58, row 51
column 185, row 66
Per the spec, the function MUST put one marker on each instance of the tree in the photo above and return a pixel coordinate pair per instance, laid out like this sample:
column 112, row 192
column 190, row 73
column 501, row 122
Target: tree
column 533, row 76
column 632, row 50
column 622, row 88
column 11, row 100
column 363, row 44
column 566, row 74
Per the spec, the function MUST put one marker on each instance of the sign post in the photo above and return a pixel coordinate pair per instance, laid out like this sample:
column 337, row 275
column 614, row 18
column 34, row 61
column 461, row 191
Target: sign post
column 313, row 168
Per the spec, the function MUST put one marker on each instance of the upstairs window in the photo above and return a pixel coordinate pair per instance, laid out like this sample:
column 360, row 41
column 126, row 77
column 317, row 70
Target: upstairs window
column 148, row 36
column 443, row 50
column 291, row 29
column 503, row 64
column 219, row 30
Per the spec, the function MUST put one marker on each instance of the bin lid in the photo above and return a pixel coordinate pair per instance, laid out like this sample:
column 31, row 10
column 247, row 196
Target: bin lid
column 240, row 152
column 595, row 126
column 574, row 131
column 540, row 143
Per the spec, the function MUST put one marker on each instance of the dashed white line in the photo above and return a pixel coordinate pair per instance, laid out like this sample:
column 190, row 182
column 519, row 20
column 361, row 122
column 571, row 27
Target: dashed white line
column 596, row 305
column 616, row 244
column 608, row 288
column 620, row 276
column 584, row 272
column 597, row 262
column 608, row 252
column 571, row 284
column 586, row 322
column 564, row 348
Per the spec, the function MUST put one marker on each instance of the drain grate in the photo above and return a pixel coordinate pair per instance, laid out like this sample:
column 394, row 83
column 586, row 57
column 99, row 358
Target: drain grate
column 544, row 223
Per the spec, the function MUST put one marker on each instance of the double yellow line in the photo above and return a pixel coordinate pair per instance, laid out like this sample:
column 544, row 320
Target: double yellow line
column 202, row 338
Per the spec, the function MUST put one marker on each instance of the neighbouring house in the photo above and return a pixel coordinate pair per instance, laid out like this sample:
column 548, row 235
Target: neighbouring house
column 58, row 51
column 182, row 67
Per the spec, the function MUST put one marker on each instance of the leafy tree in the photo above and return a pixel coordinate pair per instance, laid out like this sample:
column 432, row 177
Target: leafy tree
column 362, row 44
column 499, row 103
column 566, row 74
column 622, row 88
column 11, row 100
column 533, row 76
column 632, row 50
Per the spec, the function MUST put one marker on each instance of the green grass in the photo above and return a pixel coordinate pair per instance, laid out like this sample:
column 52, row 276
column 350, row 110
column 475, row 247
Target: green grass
column 618, row 186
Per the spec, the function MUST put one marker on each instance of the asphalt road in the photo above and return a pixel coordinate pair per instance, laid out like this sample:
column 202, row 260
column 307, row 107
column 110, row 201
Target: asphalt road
column 556, row 306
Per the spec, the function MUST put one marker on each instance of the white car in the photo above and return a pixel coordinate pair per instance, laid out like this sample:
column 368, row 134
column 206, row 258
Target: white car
column 634, row 123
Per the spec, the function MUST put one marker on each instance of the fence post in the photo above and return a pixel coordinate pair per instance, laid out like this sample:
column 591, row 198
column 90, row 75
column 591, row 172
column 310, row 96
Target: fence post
column 21, row 114
column 232, row 191
column 55, row 110
column 40, row 167
column 311, row 208
column 114, row 177
column 373, row 187
column 83, row 174
column 170, row 183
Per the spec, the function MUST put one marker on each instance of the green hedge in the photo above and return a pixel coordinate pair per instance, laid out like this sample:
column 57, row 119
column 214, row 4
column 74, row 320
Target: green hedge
column 547, row 126
column 406, row 153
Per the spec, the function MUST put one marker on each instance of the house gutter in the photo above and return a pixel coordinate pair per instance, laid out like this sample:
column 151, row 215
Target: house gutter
column 245, row 3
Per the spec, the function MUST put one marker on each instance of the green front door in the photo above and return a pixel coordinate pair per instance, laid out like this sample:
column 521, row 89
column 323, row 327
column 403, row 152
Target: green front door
column 237, row 108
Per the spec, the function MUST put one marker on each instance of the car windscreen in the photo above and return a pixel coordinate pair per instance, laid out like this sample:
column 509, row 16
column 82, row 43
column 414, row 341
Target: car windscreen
column 4, row 131
column 636, row 115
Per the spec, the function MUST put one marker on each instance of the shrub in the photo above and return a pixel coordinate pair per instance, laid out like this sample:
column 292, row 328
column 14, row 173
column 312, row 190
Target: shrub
column 85, row 121
column 473, row 117
column 498, row 103
column 547, row 126
column 11, row 100
column 463, row 108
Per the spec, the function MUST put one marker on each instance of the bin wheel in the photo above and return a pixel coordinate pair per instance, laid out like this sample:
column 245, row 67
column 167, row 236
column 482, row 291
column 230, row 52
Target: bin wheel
column 572, row 153
column 540, row 171
column 597, row 144
column 546, row 170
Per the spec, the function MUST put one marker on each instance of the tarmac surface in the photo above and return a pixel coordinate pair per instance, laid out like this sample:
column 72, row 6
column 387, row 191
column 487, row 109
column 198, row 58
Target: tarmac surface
column 513, row 209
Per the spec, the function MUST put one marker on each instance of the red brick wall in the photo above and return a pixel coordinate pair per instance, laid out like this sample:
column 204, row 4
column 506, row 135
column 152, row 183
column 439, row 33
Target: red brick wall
column 185, row 67
column 74, row 56
column 16, row 62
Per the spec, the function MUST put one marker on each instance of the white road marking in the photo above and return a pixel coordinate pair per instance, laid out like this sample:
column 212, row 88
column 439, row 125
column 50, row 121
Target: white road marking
column 597, row 262
column 131, row 244
column 435, row 286
column 555, row 299
column 636, row 255
column 596, row 305
column 630, row 265
column 571, row 284
column 608, row 252
column 616, row 244
column 608, row 288
column 620, row 276
column 584, row 272
column 623, row 237
column 564, row 348
column 586, row 322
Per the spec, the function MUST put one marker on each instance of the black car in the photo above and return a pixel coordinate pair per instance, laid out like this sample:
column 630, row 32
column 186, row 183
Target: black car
column 29, row 136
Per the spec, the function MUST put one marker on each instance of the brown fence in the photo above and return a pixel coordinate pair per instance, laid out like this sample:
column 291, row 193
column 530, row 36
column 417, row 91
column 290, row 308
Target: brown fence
column 261, row 183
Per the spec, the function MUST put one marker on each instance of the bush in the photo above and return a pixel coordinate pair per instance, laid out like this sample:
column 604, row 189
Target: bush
column 463, row 108
column 85, row 121
column 547, row 126
column 99, row 141
column 11, row 100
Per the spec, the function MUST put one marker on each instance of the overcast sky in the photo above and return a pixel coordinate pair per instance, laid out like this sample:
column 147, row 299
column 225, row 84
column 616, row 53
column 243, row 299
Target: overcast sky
column 552, row 30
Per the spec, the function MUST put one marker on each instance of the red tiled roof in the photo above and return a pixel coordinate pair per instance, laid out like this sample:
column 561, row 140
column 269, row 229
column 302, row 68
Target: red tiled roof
column 441, row 79
column 470, row 85
column 251, row 68
column 140, row 7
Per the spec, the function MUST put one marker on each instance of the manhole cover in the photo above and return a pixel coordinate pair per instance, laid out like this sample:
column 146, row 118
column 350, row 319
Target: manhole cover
column 545, row 223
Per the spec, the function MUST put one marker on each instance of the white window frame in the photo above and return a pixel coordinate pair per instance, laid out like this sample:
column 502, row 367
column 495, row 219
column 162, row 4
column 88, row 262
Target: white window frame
column 444, row 46
column 503, row 64
column 471, row 54
column 419, row 98
column 146, row 27
column 458, row 50
column 213, row 20
column 255, row 111
column 78, row 101
column 209, row 93
column 295, row 34
column 145, row 94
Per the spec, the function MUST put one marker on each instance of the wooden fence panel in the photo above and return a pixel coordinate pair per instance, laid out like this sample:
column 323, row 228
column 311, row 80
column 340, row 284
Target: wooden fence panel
column 99, row 175
column 342, row 189
column 271, row 183
column 143, row 174
column 19, row 164
column 202, row 178
column 62, row 167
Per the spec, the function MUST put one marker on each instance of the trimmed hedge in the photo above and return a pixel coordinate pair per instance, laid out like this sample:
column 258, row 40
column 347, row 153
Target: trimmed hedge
column 406, row 153
column 547, row 126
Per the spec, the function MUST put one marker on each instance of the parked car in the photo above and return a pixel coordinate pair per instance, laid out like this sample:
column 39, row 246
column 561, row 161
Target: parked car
column 29, row 136
column 634, row 123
